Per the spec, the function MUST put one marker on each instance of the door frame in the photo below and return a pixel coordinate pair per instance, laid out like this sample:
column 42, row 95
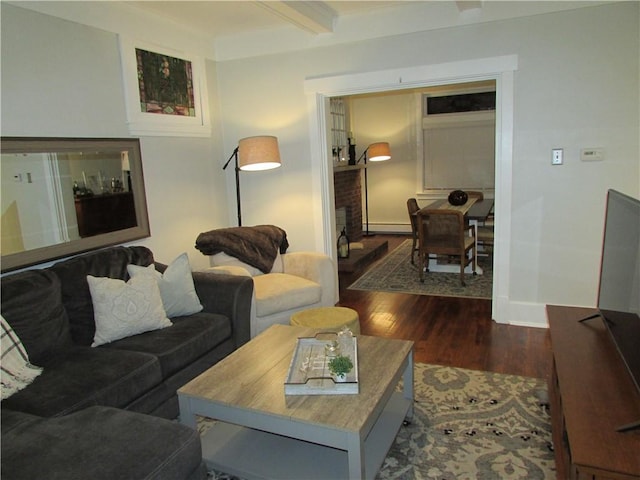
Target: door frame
column 501, row 69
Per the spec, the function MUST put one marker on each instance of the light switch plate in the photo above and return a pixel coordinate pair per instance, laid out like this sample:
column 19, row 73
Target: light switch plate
column 556, row 156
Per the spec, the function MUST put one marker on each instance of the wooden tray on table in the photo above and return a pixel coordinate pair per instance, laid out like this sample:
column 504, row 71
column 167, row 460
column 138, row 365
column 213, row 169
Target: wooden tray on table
column 309, row 368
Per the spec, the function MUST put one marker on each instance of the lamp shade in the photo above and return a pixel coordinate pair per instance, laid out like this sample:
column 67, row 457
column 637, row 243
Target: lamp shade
column 258, row 153
column 379, row 152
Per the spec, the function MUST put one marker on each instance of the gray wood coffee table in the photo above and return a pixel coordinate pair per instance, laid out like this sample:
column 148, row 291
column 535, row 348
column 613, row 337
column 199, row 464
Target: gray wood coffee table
column 261, row 433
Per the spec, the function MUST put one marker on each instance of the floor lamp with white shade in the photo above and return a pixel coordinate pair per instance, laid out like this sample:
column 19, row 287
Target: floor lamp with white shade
column 376, row 152
column 253, row 154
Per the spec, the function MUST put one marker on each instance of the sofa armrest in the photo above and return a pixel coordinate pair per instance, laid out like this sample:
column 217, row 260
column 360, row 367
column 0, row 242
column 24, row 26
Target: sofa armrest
column 229, row 295
column 317, row 267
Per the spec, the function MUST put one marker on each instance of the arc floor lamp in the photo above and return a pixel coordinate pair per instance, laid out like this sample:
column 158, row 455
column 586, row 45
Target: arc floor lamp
column 253, row 154
column 376, row 152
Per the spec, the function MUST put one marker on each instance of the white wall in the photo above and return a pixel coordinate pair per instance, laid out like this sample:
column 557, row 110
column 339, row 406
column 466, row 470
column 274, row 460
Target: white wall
column 576, row 87
column 64, row 79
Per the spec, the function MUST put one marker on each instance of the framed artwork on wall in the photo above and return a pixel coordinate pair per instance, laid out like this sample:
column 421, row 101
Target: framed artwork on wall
column 165, row 90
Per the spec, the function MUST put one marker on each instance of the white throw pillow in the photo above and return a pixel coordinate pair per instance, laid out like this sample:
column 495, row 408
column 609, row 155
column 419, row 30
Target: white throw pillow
column 124, row 309
column 17, row 372
column 177, row 290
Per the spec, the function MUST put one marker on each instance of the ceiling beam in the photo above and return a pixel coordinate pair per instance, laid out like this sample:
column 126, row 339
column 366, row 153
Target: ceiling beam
column 464, row 5
column 312, row 16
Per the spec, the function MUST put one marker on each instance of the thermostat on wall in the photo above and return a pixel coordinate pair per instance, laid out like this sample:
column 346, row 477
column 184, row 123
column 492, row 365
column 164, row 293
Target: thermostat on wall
column 592, row 154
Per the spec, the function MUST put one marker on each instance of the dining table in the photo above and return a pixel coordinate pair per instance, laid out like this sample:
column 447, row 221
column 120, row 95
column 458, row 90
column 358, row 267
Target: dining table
column 475, row 211
column 480, row 210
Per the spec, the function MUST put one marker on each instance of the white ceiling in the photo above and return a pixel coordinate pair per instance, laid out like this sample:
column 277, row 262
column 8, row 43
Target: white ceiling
column 229, row 29
column 228, row 17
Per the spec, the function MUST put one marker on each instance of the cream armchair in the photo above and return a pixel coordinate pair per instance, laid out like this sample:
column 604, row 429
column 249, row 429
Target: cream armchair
column 297, row 281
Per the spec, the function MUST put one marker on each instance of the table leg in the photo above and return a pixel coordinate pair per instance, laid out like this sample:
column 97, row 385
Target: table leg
column 355, row 454
column 187, row 416
column 407, row 383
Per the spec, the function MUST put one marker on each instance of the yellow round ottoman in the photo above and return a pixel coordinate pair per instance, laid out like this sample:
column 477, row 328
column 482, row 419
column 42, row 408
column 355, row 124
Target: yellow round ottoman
column 328, row 318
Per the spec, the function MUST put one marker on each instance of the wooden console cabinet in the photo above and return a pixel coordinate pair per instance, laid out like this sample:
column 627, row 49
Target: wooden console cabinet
column 591, row 395
column 98, row 214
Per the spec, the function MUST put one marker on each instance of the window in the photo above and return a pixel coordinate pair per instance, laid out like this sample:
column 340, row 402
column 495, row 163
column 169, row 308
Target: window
column 467, row 102
column 339, row 126
column 458, row 142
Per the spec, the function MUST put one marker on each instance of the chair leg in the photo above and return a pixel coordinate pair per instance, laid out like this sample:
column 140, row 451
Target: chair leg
column 421, row 259
column 474, row 259
column 413, row 249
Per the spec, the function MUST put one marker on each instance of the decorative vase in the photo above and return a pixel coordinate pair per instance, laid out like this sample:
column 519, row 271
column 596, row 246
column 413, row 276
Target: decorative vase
column 458, row 197
column 352, row 153
column 343, row 244
column 341, row 378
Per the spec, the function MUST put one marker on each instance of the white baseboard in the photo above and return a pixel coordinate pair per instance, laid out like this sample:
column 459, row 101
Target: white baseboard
column 526, row 314
column 387, row 228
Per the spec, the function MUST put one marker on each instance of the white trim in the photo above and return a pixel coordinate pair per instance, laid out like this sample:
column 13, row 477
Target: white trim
column 501, row 69
column 144, row 123
column 323, row 193
column 52, row 180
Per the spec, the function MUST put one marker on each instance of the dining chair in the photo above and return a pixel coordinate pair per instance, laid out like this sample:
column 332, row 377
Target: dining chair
column 485, row 226
column 412, row 207
column 443, row 232
column 485, row 236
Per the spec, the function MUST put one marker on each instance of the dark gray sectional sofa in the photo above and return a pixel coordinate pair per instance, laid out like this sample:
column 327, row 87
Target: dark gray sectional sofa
column 101, row 412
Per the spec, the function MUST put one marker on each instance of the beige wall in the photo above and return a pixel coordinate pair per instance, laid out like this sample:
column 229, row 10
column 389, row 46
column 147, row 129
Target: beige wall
column 389, row 118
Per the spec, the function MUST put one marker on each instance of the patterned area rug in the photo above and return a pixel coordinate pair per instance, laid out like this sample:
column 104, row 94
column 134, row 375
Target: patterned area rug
column 395, row 273
column 469, row 425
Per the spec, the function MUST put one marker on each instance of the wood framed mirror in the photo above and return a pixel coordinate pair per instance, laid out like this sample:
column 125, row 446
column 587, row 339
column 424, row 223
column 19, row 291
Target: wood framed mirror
column 63, row 196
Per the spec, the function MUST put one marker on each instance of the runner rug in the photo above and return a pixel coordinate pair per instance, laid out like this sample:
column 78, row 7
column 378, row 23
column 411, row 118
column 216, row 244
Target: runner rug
column 395, row 273
column 469, row 424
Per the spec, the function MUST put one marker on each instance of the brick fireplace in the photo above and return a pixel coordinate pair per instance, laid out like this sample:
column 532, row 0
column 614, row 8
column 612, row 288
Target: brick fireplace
column 348, row 200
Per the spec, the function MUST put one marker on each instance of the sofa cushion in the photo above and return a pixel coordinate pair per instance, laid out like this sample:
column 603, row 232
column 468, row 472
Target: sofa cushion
column 278, row 292
column 123, row 308
column 99, row 443
column 32, row 305
column 84, row 376
column 177, row 290
column 181, row 344
column 76, row 298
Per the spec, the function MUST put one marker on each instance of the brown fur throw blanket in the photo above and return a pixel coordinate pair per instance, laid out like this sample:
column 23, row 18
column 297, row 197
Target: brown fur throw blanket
column 258, row 246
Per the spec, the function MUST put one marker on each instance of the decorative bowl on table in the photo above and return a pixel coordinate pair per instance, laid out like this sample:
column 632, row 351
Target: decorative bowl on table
column 458, row 197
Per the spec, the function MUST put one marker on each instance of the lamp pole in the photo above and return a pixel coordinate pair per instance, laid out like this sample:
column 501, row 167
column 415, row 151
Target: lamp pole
column 366, row 197
column 237, row 171
column 366, row 192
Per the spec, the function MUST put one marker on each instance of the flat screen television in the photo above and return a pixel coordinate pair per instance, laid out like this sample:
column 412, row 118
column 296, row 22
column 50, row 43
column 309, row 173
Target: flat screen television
column 619, row 289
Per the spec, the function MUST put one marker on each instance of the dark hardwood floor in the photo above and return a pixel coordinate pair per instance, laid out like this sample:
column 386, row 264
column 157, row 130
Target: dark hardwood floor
column 456, row 332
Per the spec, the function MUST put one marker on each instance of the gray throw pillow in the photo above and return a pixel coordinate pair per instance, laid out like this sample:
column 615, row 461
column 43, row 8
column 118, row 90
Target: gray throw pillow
column 177, row 290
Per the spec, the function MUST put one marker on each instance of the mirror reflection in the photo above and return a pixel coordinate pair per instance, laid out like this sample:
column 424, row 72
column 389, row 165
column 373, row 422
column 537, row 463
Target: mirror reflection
column 63, row 196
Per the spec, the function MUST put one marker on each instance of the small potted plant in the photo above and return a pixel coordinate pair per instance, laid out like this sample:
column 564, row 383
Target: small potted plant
column 339, row 366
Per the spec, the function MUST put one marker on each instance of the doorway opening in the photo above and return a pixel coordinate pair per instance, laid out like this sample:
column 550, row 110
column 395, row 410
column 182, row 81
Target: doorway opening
column 499, row 69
